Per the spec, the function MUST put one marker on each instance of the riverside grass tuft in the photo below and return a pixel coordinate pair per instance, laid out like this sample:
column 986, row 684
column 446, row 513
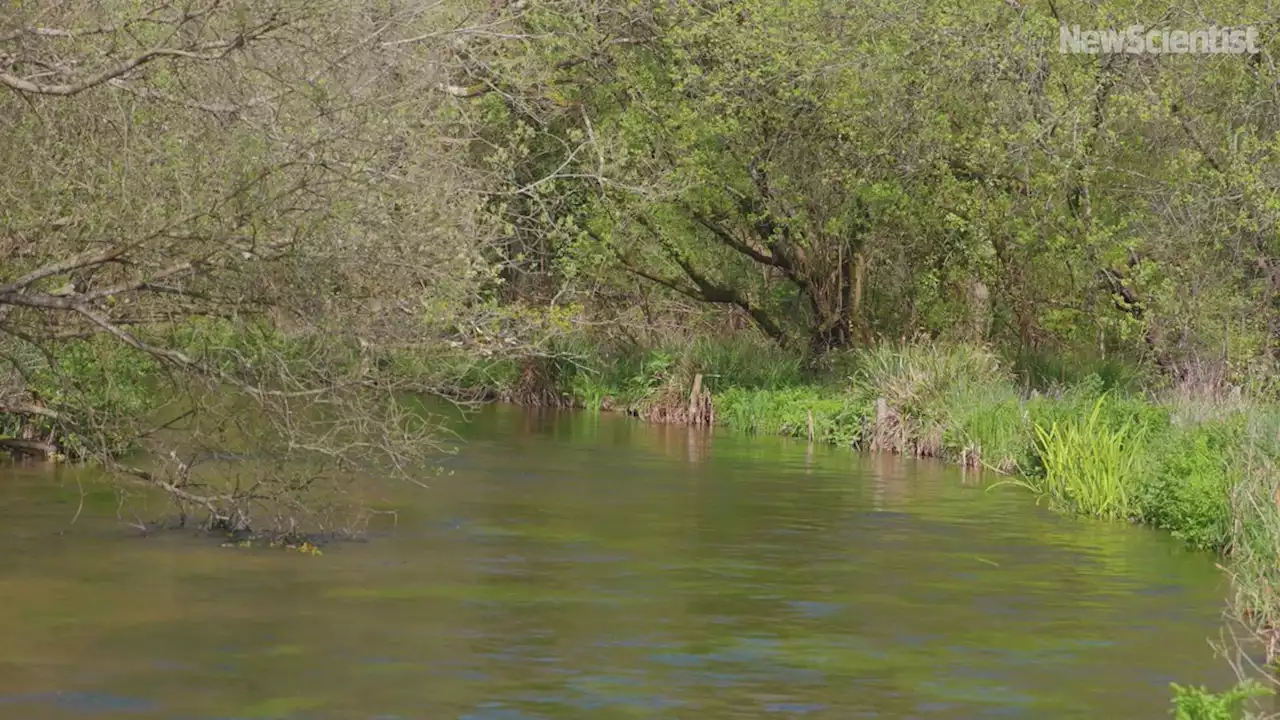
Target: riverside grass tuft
column 1089, row 464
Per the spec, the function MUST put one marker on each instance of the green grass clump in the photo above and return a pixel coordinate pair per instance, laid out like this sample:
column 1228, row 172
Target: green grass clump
column 917, row 378
column 745, row 363
column 617, row 380
column 1081, row 399
column 787, row 412
column 920, row 384
column 99, row 386
column 1045, row 372
column 1197, row 703
column 1255, row 528
column 625, row 377
column 988, row 426
column 1091, row 464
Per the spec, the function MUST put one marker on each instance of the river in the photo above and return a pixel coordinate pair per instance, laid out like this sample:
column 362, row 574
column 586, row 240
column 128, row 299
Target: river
column 577, row 566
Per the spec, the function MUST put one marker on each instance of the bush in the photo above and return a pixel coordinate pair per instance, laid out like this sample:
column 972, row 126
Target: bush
column 103, row 389
column 746, row 363
column 1187, row 488
column 918, row 384
column 836, row 419
column 1197, row 703
column 1044, row 372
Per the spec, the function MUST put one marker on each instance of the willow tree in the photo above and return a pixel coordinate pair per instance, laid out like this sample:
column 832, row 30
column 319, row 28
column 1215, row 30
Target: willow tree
column 222, row 222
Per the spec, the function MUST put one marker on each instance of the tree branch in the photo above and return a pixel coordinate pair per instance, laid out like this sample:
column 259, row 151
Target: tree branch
column 28, row 409
column 206, row 51
column 728, row 239
column 83, row 260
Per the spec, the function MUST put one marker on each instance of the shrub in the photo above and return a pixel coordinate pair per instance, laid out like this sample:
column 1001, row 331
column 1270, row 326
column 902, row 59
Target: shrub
column 916, row 384
column 1043, row 372
column 1197, row 703
column 746, row 363
column 103, row 389
column 1187, row 489
column 836, row 419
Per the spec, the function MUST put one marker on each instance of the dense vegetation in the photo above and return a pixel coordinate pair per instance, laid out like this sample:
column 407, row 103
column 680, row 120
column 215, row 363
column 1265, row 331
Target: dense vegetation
column 908, row 226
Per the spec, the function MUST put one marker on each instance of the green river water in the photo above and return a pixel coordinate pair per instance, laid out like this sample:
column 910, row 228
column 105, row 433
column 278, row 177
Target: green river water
column 576, row 566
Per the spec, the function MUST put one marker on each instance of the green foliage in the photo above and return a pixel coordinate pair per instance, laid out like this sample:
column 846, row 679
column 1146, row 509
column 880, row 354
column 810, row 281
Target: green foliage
column 988, row 424
column 1188, row 485
column 1255, row 526
column 621, row 380
column 1197, row 703
column 1083, row 398
column 1049, row 371
column 745, row 362
column 105, row 393
column 712, row 132
column 1091, row 464
column 597, row 378
column 836, row 419
column 917, row 380
column 102, row 373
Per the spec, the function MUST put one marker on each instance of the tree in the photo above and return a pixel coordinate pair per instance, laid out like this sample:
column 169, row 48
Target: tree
column 885, row 169
column 225, row 225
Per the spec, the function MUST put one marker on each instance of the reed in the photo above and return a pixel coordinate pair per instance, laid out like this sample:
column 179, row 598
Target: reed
column 1090, row 464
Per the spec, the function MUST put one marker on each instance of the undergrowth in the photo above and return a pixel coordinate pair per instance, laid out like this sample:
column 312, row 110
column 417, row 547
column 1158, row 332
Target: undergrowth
column 1197, row 703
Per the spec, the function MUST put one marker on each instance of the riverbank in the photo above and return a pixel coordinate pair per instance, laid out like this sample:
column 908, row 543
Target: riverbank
column 625, row 567
column 1195, row 458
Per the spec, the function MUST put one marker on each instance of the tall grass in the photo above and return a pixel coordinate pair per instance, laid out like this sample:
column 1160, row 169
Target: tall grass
column 745, row 363
column 987, row 426
column 1254, row 542
column 1044, row 372
column 917, row 378
column 630, row 377
column 915, row 387
column 1190, row 475
column 1089, row 464
column 833, row 418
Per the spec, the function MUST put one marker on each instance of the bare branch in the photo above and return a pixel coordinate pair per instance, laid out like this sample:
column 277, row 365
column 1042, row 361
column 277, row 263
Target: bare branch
column 29, row 409
column 83, row 260
column 204, row 52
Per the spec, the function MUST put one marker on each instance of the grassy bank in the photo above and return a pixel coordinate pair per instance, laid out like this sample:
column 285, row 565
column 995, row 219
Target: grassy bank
column 1197, row 459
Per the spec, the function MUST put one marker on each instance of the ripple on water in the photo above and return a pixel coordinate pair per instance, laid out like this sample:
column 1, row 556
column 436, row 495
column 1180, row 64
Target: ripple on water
column 497, row 712
column 815, row 608
column 793, row 708
column 89, row 703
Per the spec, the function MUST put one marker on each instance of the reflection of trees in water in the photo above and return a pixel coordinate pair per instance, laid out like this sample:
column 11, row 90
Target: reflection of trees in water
column 888, row 481
column 685, row 443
